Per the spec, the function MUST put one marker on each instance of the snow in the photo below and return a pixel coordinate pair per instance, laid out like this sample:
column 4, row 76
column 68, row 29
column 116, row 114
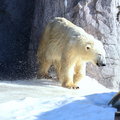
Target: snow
column 43, row 99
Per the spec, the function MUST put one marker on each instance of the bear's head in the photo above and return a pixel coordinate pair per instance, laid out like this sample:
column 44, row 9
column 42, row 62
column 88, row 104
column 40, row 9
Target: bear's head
column 94, row 51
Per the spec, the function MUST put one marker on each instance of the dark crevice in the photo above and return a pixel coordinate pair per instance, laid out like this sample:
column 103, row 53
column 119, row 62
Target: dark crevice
column 118, row 14
column 15, row 30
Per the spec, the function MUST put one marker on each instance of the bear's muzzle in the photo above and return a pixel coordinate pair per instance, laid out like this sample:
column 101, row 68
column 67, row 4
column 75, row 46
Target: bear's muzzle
column 99, row 64
column 101, row 61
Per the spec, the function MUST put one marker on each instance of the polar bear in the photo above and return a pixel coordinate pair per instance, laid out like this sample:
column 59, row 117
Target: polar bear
column 68, row 47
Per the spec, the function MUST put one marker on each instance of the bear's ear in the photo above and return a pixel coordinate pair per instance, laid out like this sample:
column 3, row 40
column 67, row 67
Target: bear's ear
column 88, row 47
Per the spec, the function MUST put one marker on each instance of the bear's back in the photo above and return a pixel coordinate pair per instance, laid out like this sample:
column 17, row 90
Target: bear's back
column 64, row 26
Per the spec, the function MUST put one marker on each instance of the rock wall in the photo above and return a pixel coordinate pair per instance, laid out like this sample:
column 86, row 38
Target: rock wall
column 100, row 18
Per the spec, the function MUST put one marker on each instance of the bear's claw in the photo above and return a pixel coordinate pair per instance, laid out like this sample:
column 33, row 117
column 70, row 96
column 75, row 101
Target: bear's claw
column 71, row 86
column 44, row 76
column 77, row 87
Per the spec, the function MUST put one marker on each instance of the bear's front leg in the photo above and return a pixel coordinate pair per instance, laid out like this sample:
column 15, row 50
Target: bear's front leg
column 80, row 72
column 66, row 75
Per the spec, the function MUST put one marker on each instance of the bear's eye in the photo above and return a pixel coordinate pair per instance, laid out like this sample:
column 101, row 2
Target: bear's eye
column 87, row 47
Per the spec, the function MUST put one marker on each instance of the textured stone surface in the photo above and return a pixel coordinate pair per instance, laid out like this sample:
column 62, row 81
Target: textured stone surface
column 100, row 18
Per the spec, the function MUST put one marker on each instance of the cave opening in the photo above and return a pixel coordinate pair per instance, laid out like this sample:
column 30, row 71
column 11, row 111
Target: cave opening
column 16, row 18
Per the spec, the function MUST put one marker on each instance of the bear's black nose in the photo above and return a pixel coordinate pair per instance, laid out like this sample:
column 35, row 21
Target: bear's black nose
column 103, row 64
column 100, row 64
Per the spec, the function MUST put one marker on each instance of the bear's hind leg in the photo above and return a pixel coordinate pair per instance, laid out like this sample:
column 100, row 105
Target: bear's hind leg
column 57, row 67
column 43, row 70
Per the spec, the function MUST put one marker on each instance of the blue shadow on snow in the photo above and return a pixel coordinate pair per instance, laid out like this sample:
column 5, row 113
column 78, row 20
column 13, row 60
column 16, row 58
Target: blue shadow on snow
column 92, row 107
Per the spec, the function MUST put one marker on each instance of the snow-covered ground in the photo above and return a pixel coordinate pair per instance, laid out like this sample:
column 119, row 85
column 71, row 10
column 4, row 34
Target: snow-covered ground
column 46, row 100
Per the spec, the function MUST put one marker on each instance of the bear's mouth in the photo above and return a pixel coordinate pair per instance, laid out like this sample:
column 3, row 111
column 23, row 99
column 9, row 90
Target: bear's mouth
column 100, row 64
